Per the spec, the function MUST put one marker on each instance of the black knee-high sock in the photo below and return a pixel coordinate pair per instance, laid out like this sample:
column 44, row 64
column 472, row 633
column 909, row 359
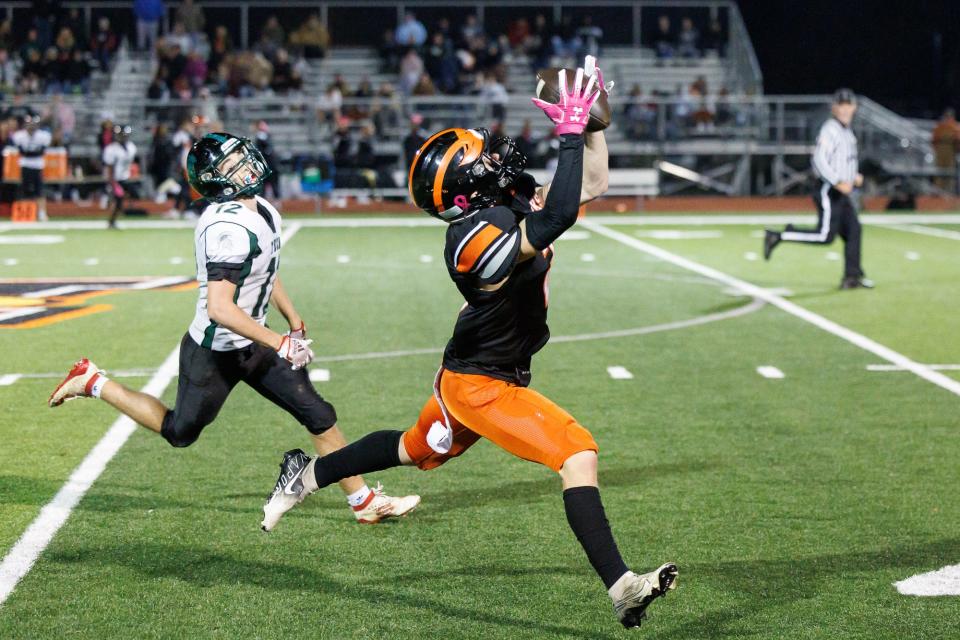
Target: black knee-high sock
column 589, row 523
column 373, row 452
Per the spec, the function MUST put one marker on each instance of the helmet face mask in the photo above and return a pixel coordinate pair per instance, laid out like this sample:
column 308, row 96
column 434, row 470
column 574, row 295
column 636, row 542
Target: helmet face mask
column 459, row 171
column 224, row 167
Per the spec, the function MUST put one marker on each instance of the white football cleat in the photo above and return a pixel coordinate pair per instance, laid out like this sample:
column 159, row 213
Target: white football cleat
column 640, row 590
column 379, row 506
column 77, row 384
column 289, row 490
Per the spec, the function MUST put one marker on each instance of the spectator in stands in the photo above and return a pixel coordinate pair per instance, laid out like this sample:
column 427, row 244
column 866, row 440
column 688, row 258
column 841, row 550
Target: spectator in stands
column 414, row 139
column 385, row 110
column 424, row 87
column 663, row 41
column 8, row 74
column 518, row 34
column 162, row 159
column 264, row 143
column 713, row 39
column 272, row 37
column 44, row 15
column 566, row 44
column 411, row 69
column 60, row 118
column 190, row 15
column 195, row 71
column 946, row 144
column 220, row 48
column 528, row 144
column 688, row 41
column 411, row 32
column 103, row 43
column 74, row 21
column 699, row 85
column 590, row 36
column 178, row 36
column 389, row 52
column 32, row 43
column 148, row 14
column 51, row 74
column 158, row 89
column 329, row 104
column 285, row 77
column 539, row 44
column 471, row 29
column 440, row 61
column 640, row 116
column 495, row 94
column 31, row 73
column 312, row 38
column 173, row 62
column 6, row 34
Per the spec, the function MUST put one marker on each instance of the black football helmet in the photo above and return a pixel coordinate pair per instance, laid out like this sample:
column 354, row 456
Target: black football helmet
column 216, row 182
column 459, row 171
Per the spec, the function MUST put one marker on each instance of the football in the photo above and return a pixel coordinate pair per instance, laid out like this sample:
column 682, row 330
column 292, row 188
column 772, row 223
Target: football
column 548, row 89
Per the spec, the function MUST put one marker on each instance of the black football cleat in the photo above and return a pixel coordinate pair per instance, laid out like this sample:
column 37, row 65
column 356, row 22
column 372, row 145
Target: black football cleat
column 770, row 240
column 853, row 282
column 640, row 591
column 289, row 490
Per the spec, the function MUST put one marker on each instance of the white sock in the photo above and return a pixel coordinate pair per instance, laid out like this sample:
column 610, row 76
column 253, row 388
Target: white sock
column 97, row 386
column 310, row 476
column 359, row 496
column 616, row 589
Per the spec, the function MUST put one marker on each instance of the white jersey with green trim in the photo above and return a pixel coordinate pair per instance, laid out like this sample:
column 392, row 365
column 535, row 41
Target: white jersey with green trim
column 233, row 242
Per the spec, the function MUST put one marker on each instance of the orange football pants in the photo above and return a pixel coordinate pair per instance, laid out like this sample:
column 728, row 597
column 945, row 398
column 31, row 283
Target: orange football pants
column 517, row 419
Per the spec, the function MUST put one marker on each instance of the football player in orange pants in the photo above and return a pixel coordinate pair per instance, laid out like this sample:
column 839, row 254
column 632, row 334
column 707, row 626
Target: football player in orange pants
column 498, row 253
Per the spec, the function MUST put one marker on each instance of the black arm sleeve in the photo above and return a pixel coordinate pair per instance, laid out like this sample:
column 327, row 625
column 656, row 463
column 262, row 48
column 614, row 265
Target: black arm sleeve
column 559, row 213
column 224, row 271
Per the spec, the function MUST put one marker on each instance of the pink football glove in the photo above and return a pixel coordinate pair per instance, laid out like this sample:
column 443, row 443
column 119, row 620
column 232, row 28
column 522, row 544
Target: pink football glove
column 117, row 189
column 573, row 111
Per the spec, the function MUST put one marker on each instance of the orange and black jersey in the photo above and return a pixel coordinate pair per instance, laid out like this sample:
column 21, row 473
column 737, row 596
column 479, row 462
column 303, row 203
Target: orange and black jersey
column 498, row 331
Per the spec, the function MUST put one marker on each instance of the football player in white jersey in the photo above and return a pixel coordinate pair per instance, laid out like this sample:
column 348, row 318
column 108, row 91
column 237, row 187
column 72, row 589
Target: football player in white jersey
column 118, row 157
column 237, row 244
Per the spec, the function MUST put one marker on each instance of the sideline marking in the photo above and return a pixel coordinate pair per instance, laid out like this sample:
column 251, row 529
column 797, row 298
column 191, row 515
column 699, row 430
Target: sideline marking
column 15, row 239
column 619, row 373
column 884, row 219
column 426, row 259
column 677, row 234
column 894, row 367
column 91, row 262
column 865, row 343
column 21, row 558
column 343, row 259
column 942, row 582
column 587, row 257
column 10, row 262
column 924, row 231
column 771, row 372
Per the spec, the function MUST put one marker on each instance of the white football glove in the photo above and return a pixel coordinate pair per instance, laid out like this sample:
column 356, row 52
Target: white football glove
column 295, row 351
column 299, row 334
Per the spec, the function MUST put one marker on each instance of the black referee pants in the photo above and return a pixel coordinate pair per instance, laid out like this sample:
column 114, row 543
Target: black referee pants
column 836, row 215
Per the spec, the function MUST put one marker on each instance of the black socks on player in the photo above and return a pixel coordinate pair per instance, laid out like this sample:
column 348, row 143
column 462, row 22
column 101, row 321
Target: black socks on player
column 373, row 452
column 589, row 523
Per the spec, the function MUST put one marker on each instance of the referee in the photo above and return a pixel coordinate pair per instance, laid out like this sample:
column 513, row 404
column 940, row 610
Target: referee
column 835, row 163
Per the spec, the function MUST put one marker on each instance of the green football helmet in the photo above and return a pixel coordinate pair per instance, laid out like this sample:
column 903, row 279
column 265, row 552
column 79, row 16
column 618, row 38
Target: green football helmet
column 211, row 173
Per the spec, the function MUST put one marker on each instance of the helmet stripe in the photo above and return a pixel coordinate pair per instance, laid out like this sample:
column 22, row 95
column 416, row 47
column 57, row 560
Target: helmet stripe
column 416, row 158
column 472, row 146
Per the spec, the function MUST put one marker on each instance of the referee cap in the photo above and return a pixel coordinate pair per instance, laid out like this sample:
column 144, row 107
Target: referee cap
column 844, row 96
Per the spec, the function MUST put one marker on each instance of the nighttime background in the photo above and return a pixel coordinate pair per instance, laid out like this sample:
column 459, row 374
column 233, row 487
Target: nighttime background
column 903, row 54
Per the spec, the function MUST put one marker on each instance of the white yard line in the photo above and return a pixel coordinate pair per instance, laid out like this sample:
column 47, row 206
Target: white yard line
column 794, row 309
column 619, row 373
column 894, row 367
column 942, row 582
column 18, row 561
column 771, row 372
column 403, row 220
column 38, row 535
column 924, row 231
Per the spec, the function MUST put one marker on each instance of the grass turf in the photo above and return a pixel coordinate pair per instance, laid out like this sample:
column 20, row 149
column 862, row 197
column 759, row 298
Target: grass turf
column 790, row 505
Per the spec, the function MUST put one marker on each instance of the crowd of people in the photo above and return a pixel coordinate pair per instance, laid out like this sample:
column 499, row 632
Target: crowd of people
column 688, row 41
column 55, row 54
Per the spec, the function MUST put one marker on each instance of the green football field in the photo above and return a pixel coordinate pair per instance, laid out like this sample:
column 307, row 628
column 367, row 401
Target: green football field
column 791, row 504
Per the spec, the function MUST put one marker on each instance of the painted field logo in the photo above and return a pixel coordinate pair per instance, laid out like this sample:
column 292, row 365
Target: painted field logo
column 26, row 303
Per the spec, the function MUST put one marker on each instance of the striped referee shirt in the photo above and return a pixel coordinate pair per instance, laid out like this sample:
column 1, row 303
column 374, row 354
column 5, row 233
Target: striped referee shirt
column 835, row 158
